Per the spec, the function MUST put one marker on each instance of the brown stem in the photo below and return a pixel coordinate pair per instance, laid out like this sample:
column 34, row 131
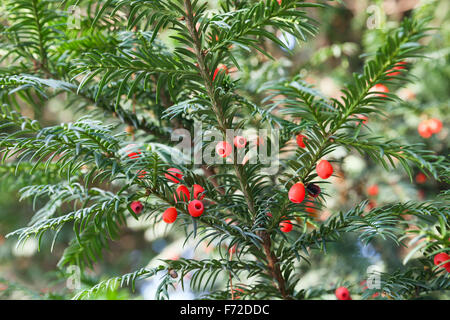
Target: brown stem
column 272, row 259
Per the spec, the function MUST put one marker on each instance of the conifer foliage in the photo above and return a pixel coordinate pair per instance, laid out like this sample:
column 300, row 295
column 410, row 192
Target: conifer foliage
column 116, row 71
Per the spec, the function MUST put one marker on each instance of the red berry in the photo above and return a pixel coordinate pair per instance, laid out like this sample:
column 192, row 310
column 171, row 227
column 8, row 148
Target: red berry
column 441, row 258
column 398, row 66
column 424, row 129
column 174, row 173
column 286, row 226
column 240, row 142
column 279, row 2
column 137, row 207
column 342, row 293
column 182, row 193
column 221, row 67
column 379, row 88
column 198, row 192
column 311, row 209
column 372, row 190
column 223, row 149
column 324, row 169
column 141, row 174
column 195, row 208
column 363, row 118
column 170, row 215
column 133, row 154
column 300, row 141
column 421, row 178
column 297, row 193
column 434, row 125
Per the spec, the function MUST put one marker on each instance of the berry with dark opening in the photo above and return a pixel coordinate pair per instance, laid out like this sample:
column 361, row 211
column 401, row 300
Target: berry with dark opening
column 240, row 142
column 313, row 190
column 324, row 169
column 286, row 226
column 297, row 193
column 174, row 173
column 195, row 208
column 198, row 192
column 137, row 207
column 223, row 149
column 170, row 215
column 342, row 293
column 300, row 140
column 182, row 193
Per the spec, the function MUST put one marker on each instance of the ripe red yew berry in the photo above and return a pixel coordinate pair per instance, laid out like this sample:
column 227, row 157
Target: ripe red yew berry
column 132, row 154
column 232, row 249
column 424, row 129
column 372, row 190
column 300, row 141
column 441, row 258
column 279, row 2
column 379, row 88
column 372, row 204
column 237, row 290
column 398, row 66
column 223, row 149
column 342, row 293
column 421, row 178
column 297, row 193
column 240, row 142
column 324, row 169
column 174, row 173
column 286, row 226
column 434, row 125
column 182, row 193
column 221, row 67
column 363, row 118
column 198, row 192
column 195, row 208
column 311, row 209
column 170, row 215
column 313, row 190
column 137, row 207
column 141, row 174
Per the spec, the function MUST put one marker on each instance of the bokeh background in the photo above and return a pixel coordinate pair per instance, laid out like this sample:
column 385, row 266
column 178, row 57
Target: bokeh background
column 348, row 29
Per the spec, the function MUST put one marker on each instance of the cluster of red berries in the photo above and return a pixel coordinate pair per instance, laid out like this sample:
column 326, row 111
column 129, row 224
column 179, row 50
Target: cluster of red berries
column 195, row 207
column 429, row 127
column 224, row 148
column 442, row 260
